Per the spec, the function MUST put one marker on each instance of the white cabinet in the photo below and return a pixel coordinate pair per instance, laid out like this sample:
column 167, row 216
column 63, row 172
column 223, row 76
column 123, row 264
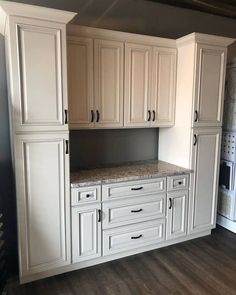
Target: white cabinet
column 209, row 85
column 95, row 74
column 204, row 188
column 177, row 214
column 43, row 205
column 86, row 232
column 38, row 75
column 80, row 82
column 150, row 75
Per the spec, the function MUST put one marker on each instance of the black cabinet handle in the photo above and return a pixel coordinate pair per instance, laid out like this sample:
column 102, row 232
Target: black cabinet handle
column 136, row 211
column 88, row 196
column 92, row 116
column 98, row 116
column 195, row 139
column 137, row 237
column 154, row 116
column 99, row 215
column 195, row 116
column 170, row 200
column 67, row 146
column 180, row 182
column 149, row 116
column 66, row 117
column 136, row 188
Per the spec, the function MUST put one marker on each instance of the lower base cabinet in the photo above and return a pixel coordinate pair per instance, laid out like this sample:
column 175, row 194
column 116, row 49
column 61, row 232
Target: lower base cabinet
column 86, row 232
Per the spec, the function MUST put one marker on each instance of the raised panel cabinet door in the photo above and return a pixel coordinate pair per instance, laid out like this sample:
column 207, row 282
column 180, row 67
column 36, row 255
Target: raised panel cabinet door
column 176, row 214
column 204, row 179
column 163, row 86
column 80, row 82
column 108, row 83
column 209, row 85
column 38, row 75
column 137, row 85
column 86, row 232
column 43, row 202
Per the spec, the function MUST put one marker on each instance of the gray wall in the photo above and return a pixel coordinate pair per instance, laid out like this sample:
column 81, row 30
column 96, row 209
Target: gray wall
column 136, row 16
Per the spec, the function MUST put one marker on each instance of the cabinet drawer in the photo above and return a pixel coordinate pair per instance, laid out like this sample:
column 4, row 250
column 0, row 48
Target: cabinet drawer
column 133, row 188
column 133, row 236
column 177, row 182
column 85, row 195
column 123, row 212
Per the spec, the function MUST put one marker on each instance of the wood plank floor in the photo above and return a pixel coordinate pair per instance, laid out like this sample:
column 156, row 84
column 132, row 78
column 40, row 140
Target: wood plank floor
column 201, row 266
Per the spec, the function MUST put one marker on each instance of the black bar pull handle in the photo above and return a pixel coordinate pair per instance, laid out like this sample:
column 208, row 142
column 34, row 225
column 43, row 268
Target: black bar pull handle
column 137, row 237
column 92, row 116
column 196, row 116
column 170, row 201
column 67, row 146
column 195, row 139
column 149, row 115
column 99, row 215
column 136, row 211
column 66, row 117
column 98, row 116
column 154, row 116
column 136, row 188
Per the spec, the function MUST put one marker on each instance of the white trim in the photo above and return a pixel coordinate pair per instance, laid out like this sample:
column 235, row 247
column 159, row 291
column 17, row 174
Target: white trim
column 226, row 223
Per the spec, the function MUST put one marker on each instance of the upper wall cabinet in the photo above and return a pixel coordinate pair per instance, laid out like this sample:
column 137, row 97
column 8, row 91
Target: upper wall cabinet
column 209, row 85
column 150, row 74
column 95, row 74
column 38, row 75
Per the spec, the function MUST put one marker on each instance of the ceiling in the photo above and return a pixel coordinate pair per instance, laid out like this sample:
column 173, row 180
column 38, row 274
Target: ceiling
column 219, row 7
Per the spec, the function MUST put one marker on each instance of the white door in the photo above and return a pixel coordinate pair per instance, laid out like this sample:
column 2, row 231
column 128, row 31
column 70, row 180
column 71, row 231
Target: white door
column 176, row 214
column 108, row 83
column 38, row 75
column 163, row 87
column 204, row 182
column 43, row 202
column 86, row 232
column 209, row 85
column 137, row 85
column 80, row 82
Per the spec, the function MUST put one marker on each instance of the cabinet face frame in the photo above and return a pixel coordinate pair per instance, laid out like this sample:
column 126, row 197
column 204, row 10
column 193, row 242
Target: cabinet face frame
column 202, row 51
column 195, row 166
column 87, row 45
column 29, row 201
column 20, row 31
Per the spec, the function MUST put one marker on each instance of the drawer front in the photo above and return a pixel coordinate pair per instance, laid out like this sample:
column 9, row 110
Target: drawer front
column 133, row 236
column 133, row 188
column 120, row 212
column 177, row 182
column 85, row 195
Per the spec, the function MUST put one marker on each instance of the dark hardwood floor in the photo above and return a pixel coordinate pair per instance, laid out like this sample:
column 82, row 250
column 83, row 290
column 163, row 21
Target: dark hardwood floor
column 201, row 266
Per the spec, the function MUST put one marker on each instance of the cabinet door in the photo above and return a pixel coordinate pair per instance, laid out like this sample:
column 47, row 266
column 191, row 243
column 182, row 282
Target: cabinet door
column 86, row 232
column 163, row 86
column 209, row 85
column 43, row 192
column 137, row 85
column 108, row 71
column 38, row 75
column 204, row 182
column 177, row 215
column 80, row 82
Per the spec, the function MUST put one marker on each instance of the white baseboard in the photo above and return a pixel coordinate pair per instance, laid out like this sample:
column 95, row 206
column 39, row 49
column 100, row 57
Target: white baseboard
column 226, row 223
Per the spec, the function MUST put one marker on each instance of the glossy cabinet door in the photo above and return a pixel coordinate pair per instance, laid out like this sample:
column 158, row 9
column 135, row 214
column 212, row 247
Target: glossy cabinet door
column 204, row 182
column 80, row 82
column 176, row 214
column 38, row 75
column 108, row 83
column 86, row 232
column 137, row 85
column 43, row 202
column 163, row 87
column 209, row 85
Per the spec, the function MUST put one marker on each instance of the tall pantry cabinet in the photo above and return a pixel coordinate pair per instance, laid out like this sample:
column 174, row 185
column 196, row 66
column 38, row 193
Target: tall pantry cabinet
column 35, row 40
column 194, row 141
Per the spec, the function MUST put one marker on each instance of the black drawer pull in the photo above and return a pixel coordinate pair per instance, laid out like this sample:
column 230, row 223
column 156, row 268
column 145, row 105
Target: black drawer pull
column 136, row 188
column 88, row 196
column 99, row 215
column 67, row 146
column 136, row 211
column 138, row 237
column 180, row 182
column 170, row 201
column 66, row 117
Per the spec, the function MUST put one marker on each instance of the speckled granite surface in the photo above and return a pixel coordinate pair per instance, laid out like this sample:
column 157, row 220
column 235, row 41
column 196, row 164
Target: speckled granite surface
column 125, row 172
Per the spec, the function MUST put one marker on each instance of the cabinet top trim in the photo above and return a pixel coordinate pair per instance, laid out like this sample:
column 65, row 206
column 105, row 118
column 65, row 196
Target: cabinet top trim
column 8, row 8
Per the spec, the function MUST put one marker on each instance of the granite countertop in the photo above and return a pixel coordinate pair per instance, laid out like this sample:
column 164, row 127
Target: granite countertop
column 124, row 172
